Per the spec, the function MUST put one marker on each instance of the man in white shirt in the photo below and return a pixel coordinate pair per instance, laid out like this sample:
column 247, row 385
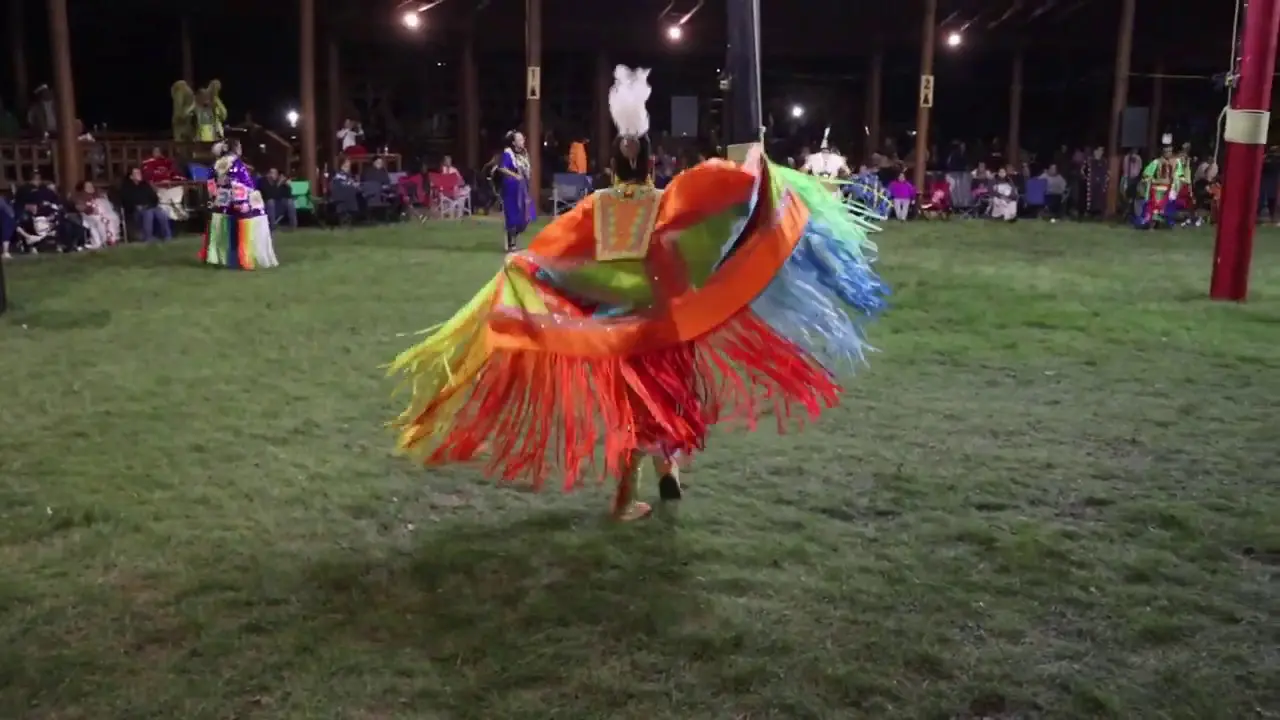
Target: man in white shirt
column 350, row 135
column 826, row 163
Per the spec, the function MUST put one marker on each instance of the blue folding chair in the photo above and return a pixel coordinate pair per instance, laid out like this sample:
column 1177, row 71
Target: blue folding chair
column 567, row 189
column 200, row 173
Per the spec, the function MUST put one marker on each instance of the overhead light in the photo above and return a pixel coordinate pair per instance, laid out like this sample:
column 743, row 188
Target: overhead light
column 955, row 39
column 412, row 20
column 292, row 117
column 797, row 112
column 675, row 32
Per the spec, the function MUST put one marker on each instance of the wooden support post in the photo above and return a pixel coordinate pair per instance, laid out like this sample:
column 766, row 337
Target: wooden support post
column 533, row 95
column 925, row 100
column 602, row 138
column 334, row 97
column 1013, row 152
column 470, row 115
column 743, row 109
column 69, row 166
column 1119, row 98
column 17, row 44
column 188, row 53
column 875, row 96
column 307, row 64
column 1157, row 109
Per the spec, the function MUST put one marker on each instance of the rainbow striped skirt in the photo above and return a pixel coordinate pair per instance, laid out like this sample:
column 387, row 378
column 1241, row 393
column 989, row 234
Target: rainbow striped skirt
column 239, row 243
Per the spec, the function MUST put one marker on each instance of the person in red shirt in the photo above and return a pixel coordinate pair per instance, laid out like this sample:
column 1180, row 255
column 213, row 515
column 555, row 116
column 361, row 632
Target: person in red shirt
column 160, row 170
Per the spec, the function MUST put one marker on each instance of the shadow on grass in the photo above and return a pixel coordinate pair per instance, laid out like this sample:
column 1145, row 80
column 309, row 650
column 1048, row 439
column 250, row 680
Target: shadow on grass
column 511, row 607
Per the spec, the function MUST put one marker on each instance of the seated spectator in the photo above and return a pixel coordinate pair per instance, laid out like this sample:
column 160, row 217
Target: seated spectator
column 277, row 194
column 344, row 192
column 448, row 168
column 160, row 170
column 343, row 175
column 902, row 193
column 142, row 206
column 37, row 194
column 351, row 139
column 1055, row 190
column 377, row 172
column 1004, row 197
column 34, row 233
column 981, row 175
column 95, row 213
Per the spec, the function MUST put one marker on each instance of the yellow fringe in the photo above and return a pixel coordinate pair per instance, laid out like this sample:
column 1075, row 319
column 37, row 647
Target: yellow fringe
column 448, row 359
column 454, row 354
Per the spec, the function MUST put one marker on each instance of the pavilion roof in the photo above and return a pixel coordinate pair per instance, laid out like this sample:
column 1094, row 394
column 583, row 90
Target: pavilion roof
column 1195, row 30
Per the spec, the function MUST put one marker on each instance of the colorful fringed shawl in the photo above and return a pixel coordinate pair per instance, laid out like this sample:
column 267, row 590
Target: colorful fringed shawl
column 641, row 318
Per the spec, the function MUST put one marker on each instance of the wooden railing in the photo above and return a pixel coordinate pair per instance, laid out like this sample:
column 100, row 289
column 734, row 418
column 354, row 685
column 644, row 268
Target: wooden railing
column 104, row 160
column 110, row 157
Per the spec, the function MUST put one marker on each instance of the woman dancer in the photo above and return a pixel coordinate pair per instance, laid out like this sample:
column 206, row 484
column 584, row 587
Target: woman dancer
column 239, row 232
column 518, row 199
column 642, row 317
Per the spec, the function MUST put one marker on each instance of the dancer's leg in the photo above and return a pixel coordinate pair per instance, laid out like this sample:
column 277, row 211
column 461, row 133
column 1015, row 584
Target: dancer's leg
column 669, row 487
column 625, row 505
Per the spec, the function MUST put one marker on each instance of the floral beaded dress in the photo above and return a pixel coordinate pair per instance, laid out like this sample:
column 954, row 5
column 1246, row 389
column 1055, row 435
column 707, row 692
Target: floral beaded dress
column 239, row 233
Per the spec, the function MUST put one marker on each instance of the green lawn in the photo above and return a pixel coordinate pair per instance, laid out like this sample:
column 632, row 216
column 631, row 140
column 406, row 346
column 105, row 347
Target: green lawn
column 1055, row 493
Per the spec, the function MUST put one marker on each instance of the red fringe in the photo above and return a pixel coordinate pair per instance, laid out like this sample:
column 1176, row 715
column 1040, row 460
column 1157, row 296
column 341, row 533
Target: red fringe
column 536, row 413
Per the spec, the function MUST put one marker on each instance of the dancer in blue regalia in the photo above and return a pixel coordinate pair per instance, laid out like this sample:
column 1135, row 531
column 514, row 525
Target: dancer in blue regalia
column 518, row 199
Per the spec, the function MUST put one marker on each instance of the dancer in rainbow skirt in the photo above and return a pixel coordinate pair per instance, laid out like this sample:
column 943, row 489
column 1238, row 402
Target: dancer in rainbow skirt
column 638, row 320
column 239, row 231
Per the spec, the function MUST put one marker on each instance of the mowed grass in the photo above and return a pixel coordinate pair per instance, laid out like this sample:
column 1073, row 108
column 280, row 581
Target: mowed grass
column 1055, row 494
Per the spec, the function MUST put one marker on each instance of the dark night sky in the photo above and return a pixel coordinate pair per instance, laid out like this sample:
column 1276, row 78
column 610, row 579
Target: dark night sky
column 123, row 74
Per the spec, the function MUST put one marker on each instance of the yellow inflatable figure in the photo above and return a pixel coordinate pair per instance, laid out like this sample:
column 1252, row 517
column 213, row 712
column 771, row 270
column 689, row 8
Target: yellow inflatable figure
column 198, row 115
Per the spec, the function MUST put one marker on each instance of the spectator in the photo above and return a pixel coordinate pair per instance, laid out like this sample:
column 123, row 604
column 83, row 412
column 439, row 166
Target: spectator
column 377, row 172
column 277, row 193
column 351, row 138
column 1055, row 190
column 160, row 170
column 447, row 167
column 1004, row 197
column 902, row 193
column 95, row 214
column 37, row 197
column 343, row 175
column 578, row 156
column 8, row 226
column 142, row 205
column 42, row 117
column 35, row 232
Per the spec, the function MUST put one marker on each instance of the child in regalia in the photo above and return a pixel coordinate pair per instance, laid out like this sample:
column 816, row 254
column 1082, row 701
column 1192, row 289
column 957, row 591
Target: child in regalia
column 239, row 231
column 518, row 199
column 642, row 317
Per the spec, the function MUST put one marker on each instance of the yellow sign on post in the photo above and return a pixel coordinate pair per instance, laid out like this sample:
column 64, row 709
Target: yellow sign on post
column 533, row 83
column 926, row 91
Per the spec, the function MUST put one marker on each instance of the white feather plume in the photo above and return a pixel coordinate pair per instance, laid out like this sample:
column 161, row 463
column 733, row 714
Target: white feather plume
column 627, row 100
column 826, row 139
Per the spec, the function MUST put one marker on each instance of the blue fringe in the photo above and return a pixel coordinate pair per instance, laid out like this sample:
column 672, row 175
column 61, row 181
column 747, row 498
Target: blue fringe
column 808, row 301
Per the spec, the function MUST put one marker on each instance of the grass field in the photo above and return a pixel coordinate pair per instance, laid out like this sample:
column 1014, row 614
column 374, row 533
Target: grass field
column 1055, row 493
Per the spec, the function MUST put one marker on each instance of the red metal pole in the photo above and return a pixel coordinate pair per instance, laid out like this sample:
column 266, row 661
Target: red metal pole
column 1242, row 174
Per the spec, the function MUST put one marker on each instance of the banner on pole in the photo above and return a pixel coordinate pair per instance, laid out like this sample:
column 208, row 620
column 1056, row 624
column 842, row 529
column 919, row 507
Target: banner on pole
column 533, row 83
column 926, row 91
